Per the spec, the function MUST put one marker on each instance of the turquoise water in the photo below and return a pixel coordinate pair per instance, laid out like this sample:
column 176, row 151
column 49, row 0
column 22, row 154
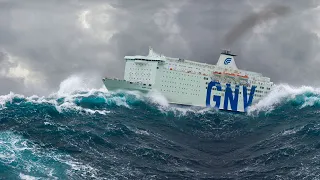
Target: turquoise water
column 126, row 135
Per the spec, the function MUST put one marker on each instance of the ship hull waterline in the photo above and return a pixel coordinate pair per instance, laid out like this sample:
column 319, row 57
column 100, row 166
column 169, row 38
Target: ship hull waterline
column 118, row 85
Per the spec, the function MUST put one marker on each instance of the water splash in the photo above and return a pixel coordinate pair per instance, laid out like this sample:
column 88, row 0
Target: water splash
column 75, row 91
column 304, row 96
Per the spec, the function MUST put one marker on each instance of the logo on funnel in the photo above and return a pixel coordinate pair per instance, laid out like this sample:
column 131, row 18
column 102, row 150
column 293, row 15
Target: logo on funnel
column 227, row 61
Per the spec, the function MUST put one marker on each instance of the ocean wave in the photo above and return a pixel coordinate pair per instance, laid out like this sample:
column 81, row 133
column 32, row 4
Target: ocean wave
column 74, row 95
column 87, row 133
column 301, row 97
column 26, row 157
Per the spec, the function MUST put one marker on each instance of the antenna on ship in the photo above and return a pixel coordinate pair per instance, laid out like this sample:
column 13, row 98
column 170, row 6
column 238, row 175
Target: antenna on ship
column 227, row 52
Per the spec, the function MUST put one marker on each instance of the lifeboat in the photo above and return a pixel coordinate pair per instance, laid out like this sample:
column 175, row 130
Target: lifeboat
column 242, row 76
column 230, row 74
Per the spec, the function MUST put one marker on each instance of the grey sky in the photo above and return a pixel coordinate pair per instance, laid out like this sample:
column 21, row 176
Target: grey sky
column 44, row 42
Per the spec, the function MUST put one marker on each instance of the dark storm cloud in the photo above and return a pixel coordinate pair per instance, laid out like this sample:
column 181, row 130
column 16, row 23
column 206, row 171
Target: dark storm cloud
column 55, row 39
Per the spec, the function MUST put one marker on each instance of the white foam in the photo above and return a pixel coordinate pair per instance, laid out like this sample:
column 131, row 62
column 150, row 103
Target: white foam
column 290, row 131
column 8, row 98
column 67, row 104
column 70, row 90
column 157, row 98
column 77, row 83
column 162, row 103
column 309, row 101
column 282, row 93
column 142, row 132
column 76, row 87
column 27, row 177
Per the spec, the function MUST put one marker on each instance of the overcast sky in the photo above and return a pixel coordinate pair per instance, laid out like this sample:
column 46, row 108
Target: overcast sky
column 44, row 42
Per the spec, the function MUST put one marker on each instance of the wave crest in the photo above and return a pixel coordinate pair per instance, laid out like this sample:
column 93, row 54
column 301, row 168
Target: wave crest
column 75, row 94
column 303, row 96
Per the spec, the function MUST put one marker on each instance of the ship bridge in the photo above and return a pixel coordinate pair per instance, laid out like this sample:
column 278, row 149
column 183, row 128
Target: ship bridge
column 152, row 56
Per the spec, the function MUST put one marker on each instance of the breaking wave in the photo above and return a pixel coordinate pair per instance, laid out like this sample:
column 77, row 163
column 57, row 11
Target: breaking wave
column 84, row 133
column 283, row 94
column 101, row 101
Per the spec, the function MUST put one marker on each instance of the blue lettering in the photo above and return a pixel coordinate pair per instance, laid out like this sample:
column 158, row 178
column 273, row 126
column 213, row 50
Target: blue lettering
column 247, row 102
column 216, row 98
column 229, row 97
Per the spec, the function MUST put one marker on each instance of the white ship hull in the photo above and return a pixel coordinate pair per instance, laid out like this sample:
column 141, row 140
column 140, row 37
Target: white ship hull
column 114, row 84
column 222, row 86
column 238, row 100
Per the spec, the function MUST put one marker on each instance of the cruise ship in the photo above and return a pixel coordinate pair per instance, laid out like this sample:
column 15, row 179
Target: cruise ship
column 222, row 86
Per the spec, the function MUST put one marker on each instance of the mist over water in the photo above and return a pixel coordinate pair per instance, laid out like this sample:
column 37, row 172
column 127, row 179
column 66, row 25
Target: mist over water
column 83, row 133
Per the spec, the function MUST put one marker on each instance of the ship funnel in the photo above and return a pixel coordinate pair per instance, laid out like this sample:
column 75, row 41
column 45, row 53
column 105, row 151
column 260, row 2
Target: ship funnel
column 226, row 60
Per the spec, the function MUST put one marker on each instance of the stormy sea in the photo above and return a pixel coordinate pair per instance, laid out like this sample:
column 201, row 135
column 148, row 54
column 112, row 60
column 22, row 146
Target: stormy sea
column 95, row 134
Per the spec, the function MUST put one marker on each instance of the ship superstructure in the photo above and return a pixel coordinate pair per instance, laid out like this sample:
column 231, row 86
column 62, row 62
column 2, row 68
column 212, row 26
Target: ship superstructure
column 186, row 82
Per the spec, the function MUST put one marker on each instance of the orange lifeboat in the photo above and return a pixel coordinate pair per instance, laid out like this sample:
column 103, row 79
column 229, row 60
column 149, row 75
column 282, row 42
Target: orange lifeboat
column 230, row 74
